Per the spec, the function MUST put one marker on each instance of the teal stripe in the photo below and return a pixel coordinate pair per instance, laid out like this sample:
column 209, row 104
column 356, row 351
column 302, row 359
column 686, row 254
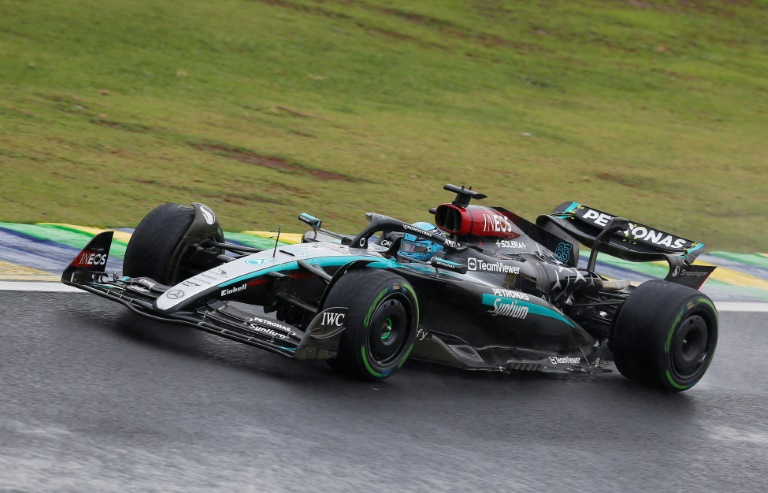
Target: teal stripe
column 319, row 261
column 571, row 207
column 690, row 251
column 543, row 311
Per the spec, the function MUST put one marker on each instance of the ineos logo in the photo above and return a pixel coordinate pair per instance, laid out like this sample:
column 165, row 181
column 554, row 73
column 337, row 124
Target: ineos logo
column 88, row 258
column 175, row 294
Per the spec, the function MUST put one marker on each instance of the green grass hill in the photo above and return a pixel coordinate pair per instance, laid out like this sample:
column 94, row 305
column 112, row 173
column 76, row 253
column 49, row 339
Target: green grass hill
column 656, row 110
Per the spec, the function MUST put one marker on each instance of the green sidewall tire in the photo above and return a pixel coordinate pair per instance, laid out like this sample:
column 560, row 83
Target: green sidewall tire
column 665, row 336
column 381, row 323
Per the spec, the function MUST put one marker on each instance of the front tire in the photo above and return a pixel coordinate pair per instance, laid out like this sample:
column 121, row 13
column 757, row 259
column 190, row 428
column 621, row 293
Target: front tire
column 665, row 336
column 159, row 247
column 381, row 323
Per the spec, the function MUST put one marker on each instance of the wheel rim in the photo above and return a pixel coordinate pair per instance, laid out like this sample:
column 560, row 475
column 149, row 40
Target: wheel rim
column 691, row 346
column 388, row 330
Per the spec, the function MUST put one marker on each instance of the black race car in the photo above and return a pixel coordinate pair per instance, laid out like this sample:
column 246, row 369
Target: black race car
column 499, row 293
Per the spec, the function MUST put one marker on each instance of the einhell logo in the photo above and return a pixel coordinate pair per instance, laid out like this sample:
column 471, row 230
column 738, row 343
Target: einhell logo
column 90, row 259
column 225, row 292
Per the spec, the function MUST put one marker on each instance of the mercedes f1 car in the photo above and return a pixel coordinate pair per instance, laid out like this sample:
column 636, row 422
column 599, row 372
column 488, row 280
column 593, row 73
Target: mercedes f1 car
column 500, row 293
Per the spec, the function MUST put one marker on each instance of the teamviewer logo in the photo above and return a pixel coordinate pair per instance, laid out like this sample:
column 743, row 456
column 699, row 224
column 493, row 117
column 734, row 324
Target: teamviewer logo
column 472, row 263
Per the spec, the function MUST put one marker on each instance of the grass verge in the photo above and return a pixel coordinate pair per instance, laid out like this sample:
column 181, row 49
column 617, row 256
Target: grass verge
column 654, row 110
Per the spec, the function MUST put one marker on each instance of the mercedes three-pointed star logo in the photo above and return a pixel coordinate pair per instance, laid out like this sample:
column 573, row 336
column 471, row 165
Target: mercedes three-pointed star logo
column 175, row 294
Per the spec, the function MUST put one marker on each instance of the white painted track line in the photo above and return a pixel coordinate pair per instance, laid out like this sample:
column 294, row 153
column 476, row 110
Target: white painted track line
column 43, row 287
column 741, row 306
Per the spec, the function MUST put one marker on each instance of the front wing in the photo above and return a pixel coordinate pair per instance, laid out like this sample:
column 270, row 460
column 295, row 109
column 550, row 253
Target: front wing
column 237, row 321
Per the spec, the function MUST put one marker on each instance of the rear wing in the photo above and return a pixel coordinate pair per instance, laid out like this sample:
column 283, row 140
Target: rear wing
column 635, row 242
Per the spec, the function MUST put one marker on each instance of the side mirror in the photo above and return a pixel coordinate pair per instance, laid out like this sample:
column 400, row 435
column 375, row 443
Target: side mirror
column 310, row 220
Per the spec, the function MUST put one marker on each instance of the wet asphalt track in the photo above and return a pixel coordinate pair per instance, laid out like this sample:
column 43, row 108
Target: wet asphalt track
column 95, row 398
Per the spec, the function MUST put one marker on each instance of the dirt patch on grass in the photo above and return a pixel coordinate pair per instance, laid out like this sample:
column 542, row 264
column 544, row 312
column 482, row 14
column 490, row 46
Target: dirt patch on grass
column 128, row 127
column 279, row 110
column 456, row 31
column 20, row 111
column 329, row 14
column 276, row 163
column 305, row 8
column 241, row 199
column 634, row 181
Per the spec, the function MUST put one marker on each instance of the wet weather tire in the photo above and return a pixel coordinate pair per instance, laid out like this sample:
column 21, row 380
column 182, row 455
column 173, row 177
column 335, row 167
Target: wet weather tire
column 157, row 248
column 381, row 323
column 665, row 335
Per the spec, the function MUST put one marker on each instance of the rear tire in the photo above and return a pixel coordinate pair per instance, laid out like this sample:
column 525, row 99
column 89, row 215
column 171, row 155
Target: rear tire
column 158, row 250
column 382, row 321
column 665, row 336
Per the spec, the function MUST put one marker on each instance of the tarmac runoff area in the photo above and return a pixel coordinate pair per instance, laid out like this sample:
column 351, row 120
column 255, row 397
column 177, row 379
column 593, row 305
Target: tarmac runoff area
column 97, row 398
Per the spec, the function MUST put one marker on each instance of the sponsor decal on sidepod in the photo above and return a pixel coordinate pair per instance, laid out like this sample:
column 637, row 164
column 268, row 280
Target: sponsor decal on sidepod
column 508, row 308
column 509, row 293
column 478, row 264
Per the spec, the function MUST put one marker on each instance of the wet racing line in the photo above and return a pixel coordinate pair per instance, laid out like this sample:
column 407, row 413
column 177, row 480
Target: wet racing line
column 96, row 398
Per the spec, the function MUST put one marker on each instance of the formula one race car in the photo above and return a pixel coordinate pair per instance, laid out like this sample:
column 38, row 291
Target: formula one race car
column 484, row 290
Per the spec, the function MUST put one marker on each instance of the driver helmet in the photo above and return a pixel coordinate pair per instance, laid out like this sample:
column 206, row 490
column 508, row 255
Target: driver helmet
column 417, row 248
